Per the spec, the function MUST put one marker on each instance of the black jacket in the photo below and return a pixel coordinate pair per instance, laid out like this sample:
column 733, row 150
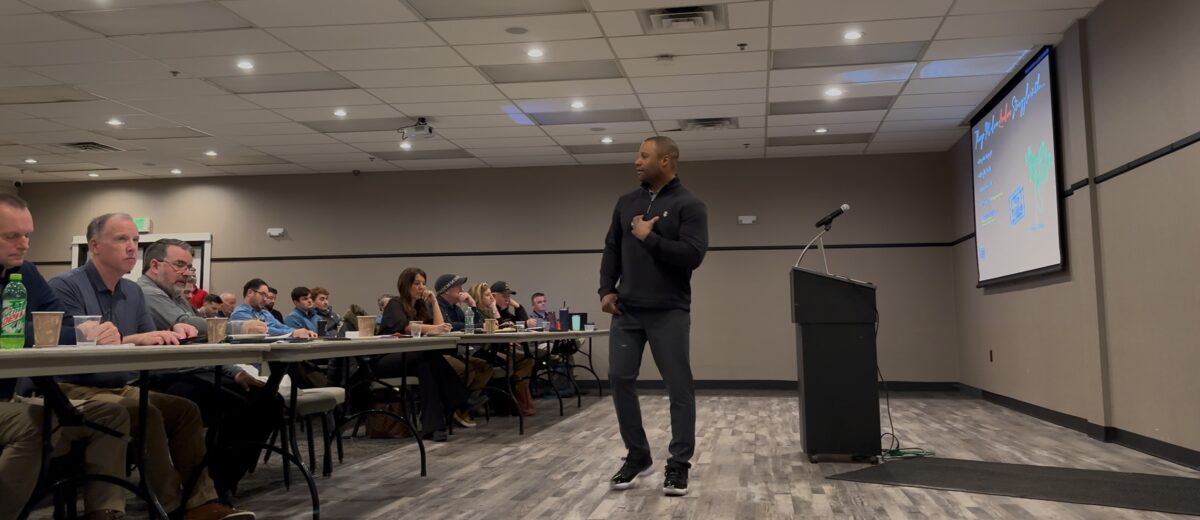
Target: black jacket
column 655, row 273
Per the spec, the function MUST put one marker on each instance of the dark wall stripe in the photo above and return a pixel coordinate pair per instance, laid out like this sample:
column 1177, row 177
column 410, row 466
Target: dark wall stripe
column 62, row 262
column 1150, row 157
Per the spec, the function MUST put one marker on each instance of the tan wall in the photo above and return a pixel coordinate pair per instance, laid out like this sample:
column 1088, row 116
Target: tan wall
column 901, row 198
column 8, row 188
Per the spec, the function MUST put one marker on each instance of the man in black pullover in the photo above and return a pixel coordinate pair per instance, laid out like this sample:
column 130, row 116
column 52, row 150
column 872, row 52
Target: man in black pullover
column 658, row 236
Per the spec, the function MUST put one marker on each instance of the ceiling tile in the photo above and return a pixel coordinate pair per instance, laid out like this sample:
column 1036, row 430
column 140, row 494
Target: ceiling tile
column 121, row 71
column 93, row 109
column 443, row 122
column 969, row 66
column 295, row 82
column 551, row 89
column 10, row 8
column 830, row 35
column 714, row 42
column 506, row 162
column 621, row 5
column 197, row 16
column 733, row 80
column 230, row 117
column 210, row 43
column 805, row 140
column 688, row 147
column 947, row 136
column 504, row 131
column 619, row 23
column 366, row 137
column 440, row 164
column 416, row 77
column 706, row 64
column 277, row 140
column 987, row 6
column 368, row 36
column 217, row 66
column 557, row 71
column 538, row 28
column 157, row 89
column 393, row 145
column 64, row 52
column 433, row 95
column 816, row 149
column 749, row 14
column 296, row 13
column 960, row 84
column 586, row 116
column 42, row 94
column 864, row 116
column 300, row 149
column 459, row 108
column 847, row 75
column 909, row 114
column 400, row 58
column 553, row 51
column 907, row 147
column 696, row 112
column 941, row 100
column 847, row 128
column 826, row 11
column 594, row 138
column 12, row 77
column 630, row 148
column 709, row 97
column 359, row 125
column 485, row 153
column 192, row 104
column 830, row 105
column 808, row 92
column 442, row 10
column 403, row 156
column 314, row 98
column 505, row 142
column 326, row 113
column 922, row 124
column 259, row 129
column 1008, row 24
column 351, row 166
column 980, row 47
column 734, row 134
column 40, row 28
column 604, row 158
column 590, row 103
column 258, row 169
column 847, row 55
column 599, row 129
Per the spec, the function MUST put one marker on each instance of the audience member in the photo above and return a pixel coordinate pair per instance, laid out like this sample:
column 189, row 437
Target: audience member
column 254, row 295
column 383, row 301
column 324, row 308
column 303, row 315
column 272, row 294
column 228, row 304
column 174, row 440
column 522, row 367
column 510, row 309
column 192, row 292
column 541, row 313
column 212, row 306
column 455, row 303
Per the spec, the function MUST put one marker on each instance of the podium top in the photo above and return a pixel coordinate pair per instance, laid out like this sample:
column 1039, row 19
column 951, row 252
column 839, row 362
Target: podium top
column 835, row 277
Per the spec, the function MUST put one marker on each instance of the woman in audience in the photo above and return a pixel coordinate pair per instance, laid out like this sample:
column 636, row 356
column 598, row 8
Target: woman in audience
column 440, row 389
column 523, row 366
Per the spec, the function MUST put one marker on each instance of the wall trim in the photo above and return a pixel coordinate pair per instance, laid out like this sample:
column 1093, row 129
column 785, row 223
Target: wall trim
column 1148, row 158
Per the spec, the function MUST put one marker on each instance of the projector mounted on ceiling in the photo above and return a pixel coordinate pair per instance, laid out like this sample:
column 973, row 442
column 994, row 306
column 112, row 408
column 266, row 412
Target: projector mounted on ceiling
column 421, row 129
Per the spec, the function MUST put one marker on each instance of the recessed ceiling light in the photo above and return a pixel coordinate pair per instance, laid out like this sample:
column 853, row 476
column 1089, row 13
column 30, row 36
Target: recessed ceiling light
column 577, row 104
column 176, row 171
column 115, row 122
column 31, row 160
column 341, row 112
column 405, row 145
column 211, row 153
column 821, row 130
column 834, row 92
column 93, row 174
column 852, row 35
column 606, row 140
column 535, row 53
column 245, row 65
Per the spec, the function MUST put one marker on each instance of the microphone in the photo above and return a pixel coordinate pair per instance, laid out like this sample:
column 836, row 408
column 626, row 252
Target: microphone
column 828, row 219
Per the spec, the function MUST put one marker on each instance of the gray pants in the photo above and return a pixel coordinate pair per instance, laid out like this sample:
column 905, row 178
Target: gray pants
column 668, row 333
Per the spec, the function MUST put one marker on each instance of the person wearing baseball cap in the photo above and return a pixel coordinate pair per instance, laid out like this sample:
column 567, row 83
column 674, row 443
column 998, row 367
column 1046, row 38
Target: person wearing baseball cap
column 455, row 304
column 510, row 309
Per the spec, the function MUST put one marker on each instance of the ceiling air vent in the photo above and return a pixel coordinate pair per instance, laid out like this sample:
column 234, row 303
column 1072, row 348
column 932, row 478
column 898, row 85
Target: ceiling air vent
column 89, row 146
column 711, row 123
column 684, row 19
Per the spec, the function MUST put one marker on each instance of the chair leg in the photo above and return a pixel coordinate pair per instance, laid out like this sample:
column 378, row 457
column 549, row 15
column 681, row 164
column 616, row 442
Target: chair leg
column 312, row 448
column 341, row 455
column 327, row 455
column 270, row 442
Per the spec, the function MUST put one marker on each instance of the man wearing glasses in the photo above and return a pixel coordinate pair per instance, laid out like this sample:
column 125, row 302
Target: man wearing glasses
column 254, row 307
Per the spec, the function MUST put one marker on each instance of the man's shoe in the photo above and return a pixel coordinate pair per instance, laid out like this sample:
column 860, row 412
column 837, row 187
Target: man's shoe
column 629, row 472
column 463, row 419
column 107, row 514
column 217, row 511
column 675, row 481
column 436, row 436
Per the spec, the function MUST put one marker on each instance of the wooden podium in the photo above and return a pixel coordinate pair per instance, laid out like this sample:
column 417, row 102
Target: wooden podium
column 836, row 366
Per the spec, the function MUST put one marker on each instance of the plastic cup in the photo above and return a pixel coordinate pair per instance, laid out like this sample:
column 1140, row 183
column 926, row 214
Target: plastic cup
column 46, row 328
column 216, row 329
column 366, row 326
column 85, row 330
column 414, row 329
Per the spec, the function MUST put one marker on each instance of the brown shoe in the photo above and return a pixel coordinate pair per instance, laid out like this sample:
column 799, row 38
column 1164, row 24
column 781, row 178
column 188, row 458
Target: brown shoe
column 106, row 514
column 217, row 511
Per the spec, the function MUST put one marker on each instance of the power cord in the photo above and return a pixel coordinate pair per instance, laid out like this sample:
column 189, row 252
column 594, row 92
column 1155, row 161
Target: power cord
column 894, row 450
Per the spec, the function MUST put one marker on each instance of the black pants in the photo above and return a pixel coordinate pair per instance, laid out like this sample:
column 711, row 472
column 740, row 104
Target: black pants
column 668, row 332
column 247, row 417
column 440, row 389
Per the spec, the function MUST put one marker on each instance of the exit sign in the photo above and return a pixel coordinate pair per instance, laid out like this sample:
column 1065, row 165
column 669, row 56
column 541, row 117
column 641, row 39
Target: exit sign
column 143, row 224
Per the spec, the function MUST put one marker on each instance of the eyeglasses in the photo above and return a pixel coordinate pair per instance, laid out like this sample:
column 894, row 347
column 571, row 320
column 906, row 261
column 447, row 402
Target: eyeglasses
column 264, row 294
column 180, row 265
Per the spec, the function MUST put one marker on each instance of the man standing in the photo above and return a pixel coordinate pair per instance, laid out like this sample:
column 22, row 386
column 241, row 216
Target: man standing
column 658, row 236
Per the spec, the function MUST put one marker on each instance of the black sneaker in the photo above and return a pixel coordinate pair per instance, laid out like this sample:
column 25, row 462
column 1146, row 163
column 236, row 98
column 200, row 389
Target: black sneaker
column 629, row 472
column 675, row 483
column 436, row 436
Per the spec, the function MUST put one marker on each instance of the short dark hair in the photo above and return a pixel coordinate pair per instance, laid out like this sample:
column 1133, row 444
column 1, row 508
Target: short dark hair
column 213, row 298
column 97, row 224
column 158, row 251
column 664, row 145
column 253, row 285
column 535, row 295
column 300, row 292
column 272, row 290
column 13, row 201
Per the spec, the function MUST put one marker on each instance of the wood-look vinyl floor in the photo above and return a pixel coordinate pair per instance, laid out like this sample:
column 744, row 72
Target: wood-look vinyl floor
column 748, row 465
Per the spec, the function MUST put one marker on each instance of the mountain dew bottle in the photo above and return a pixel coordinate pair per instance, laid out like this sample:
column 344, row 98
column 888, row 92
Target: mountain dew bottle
column 12, row 330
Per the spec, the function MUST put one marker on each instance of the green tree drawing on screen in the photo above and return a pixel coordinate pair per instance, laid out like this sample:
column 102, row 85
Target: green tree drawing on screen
column 1039, row 165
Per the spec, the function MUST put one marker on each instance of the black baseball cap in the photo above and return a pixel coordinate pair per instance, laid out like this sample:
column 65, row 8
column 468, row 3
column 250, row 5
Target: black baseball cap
column 447, row 281
column 502, row 287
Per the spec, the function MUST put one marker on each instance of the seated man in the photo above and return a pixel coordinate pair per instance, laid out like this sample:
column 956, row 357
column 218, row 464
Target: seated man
column 383, row 301
column 303, row 315
column 455, row 303
column 21, row 455
column 272, row 295
column 541, row 313
column 249, row 415
column 510, row 309
column 212, row 306
column 324, row 308
column 228, row 303
column 98, row 288
column 21, row 423
column 254, row 297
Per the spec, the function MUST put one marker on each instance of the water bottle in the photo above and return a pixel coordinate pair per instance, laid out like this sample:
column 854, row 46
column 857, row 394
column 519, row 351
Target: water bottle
column 12, row 332
column 564, row 317
column 468, row 320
